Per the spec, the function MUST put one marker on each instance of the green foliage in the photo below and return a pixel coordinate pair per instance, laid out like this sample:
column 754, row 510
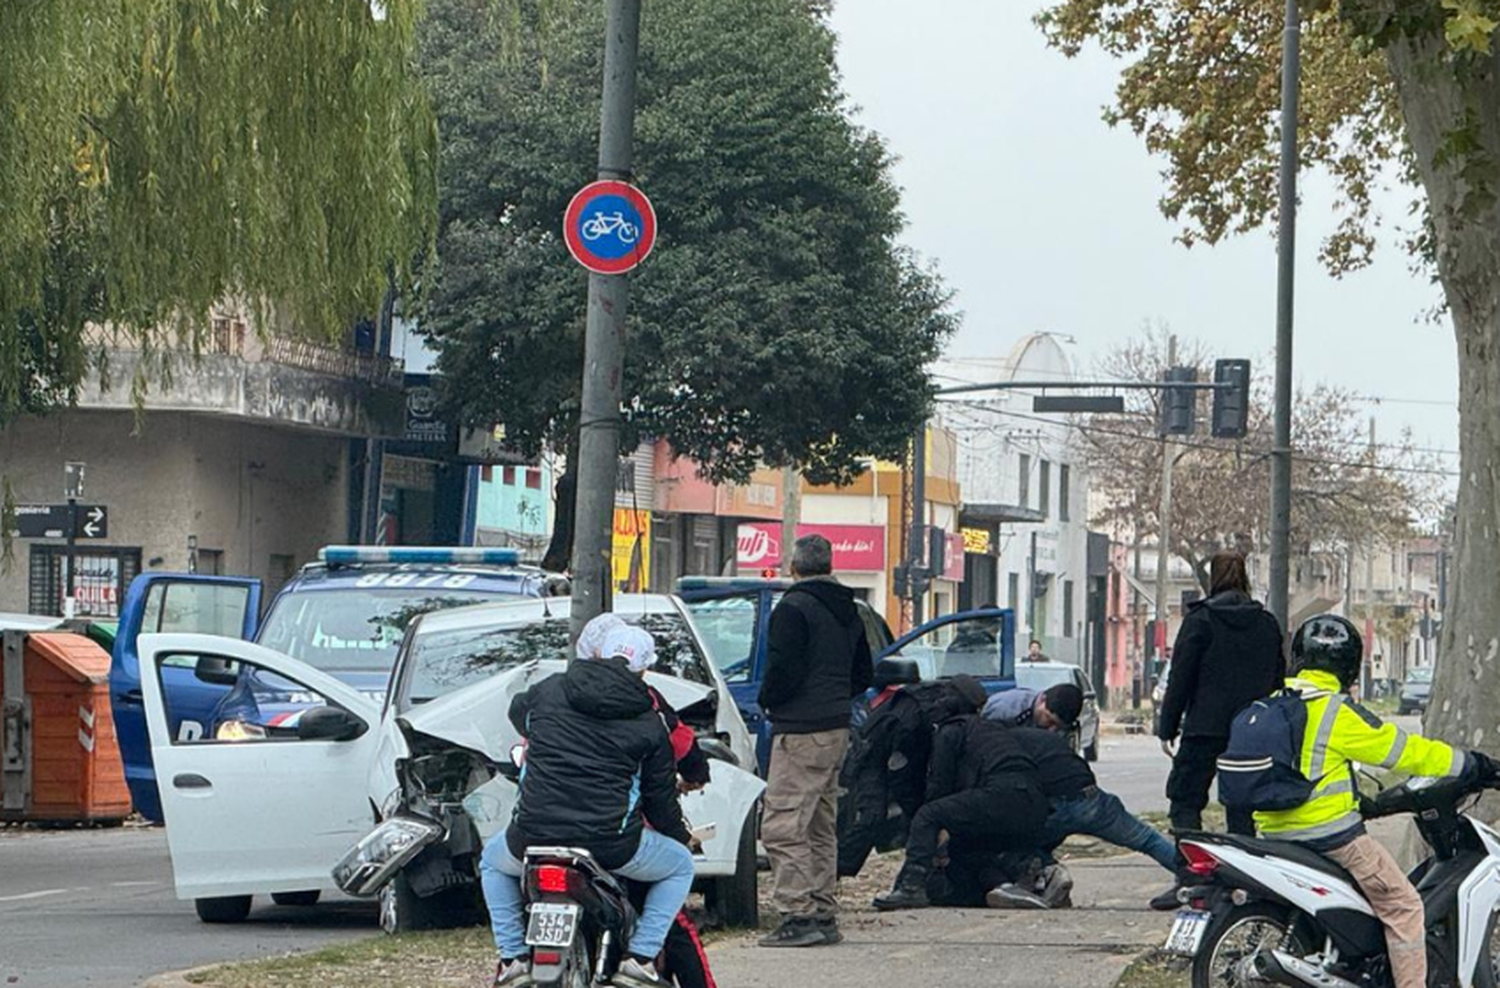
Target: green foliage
column 778, row 319
column 1202, row 88
column 159, row 156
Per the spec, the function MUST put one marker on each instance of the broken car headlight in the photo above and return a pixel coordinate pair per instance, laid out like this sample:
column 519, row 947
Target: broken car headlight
column 383, row 852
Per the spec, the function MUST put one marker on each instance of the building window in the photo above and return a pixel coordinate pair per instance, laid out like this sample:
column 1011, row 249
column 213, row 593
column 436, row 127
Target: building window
column 1013, row 591
column 1064, row 479
column 1025, row 489
column 211, row 562
column 508, row 476
column 100, row 576
column 533, row 479
column 1044, row 484
column 1067, row 608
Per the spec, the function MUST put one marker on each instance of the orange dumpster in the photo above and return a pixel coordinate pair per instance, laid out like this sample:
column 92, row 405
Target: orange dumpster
column 59, row 761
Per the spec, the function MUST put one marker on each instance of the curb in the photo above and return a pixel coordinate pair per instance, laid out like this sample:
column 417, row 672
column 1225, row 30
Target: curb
column 177, row 979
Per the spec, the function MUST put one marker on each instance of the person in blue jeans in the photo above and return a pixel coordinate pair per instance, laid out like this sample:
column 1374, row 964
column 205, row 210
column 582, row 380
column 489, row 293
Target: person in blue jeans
column 1078, row 806
column 600, row 775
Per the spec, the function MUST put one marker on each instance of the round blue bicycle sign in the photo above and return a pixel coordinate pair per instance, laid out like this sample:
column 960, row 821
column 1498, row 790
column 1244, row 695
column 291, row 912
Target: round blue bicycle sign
column 610, row 227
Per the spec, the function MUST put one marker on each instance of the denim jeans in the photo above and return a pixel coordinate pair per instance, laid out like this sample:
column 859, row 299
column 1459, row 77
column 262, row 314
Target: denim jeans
column 660, row 861
column 1102, row 815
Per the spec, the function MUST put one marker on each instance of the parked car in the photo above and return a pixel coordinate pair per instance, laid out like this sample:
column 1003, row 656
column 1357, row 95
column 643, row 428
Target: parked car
column 1415, row 691
column 275, row 813
column 343, row 615
column 734, row 614
column 1044, row 675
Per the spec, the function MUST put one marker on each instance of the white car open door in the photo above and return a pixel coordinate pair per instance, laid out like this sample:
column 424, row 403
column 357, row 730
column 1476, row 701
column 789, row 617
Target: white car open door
column 273, row 810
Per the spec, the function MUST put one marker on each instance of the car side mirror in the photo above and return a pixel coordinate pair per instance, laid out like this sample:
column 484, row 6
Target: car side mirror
column 216, row 671
column 329, row 723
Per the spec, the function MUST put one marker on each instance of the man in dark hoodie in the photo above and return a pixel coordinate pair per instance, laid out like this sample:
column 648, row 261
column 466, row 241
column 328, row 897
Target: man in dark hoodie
column 1228, row 654
column 818, row 660
column 599, row 768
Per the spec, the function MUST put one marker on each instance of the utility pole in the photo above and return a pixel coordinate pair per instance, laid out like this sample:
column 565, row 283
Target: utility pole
column 1164, row 516
column 791, row 514
column 1286, row 256
column 604, row 338
column 917, row 545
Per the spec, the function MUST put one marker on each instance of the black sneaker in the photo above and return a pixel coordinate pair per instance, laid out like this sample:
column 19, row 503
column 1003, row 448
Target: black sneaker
column 795, row 933
column 903, row 896
column 1055, row 886
column 829, row 927
column 1167, row 901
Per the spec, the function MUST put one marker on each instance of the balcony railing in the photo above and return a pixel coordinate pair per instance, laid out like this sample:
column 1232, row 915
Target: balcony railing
column 377, row 370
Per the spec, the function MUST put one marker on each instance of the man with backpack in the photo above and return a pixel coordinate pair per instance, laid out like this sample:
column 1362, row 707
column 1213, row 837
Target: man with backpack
column 1291, row 759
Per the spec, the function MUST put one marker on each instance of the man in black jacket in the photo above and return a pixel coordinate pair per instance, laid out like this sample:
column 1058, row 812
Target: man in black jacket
column 1228, row 654
column 818, row 660
column 599, row 768
column 983, row 790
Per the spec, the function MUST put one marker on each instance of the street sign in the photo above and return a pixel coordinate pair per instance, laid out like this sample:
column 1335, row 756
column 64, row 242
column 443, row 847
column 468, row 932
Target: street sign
column 50, row 521
column 73, row 480
column 610, row 227
column 1091, row 404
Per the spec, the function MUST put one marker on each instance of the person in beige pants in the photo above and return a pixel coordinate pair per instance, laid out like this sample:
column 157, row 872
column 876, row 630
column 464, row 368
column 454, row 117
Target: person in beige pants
column 818, row 660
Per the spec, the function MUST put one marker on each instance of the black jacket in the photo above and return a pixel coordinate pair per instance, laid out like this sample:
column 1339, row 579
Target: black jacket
column 974, row 753
column 598, row 761
column 1060, row 771
column 1228, row 654
column 818, row 658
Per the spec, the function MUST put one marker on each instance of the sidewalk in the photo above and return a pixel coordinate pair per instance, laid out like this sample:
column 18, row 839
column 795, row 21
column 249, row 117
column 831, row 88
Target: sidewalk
column 1084, row 947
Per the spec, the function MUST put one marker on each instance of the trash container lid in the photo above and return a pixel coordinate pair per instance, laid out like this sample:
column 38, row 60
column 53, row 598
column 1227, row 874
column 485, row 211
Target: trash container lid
column 28, row 622
column 103, row 632
column 75, row 656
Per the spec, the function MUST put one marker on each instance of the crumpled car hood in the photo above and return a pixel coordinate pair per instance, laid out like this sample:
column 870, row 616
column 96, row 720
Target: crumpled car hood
column 477, row 717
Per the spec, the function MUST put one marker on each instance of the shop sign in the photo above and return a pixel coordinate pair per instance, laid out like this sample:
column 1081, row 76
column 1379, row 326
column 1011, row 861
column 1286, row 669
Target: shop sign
column 856, row 548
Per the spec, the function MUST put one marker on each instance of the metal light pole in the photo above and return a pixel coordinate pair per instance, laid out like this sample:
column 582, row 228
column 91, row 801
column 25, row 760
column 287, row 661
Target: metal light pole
column 917, row 554
column 1286, row 256
column 1164, row 515
column 604, row 338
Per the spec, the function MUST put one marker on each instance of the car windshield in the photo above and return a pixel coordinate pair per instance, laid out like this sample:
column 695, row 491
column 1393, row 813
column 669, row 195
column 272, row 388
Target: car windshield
column 1039, row 677
column 354, row 630
column 728, row 627
column 444, row 661
column 1423, row 675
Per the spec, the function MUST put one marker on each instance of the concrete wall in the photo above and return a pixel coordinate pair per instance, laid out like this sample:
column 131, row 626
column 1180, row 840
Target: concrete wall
column 267, row 498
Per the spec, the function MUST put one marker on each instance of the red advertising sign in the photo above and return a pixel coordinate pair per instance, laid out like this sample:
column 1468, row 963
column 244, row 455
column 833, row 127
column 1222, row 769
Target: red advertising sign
column 856, row 548
column 953, row 568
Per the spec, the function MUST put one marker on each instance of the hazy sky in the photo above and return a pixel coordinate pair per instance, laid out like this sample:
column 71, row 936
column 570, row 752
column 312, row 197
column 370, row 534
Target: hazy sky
column 1043, row 218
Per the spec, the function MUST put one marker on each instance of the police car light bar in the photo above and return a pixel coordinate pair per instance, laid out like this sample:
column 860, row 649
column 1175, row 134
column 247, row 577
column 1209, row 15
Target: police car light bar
column 345, row 555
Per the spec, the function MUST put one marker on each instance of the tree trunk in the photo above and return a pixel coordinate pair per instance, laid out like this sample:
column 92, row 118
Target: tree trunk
column 1465, row 708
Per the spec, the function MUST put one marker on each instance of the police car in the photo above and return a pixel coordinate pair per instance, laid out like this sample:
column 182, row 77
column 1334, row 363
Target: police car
column 343, row 615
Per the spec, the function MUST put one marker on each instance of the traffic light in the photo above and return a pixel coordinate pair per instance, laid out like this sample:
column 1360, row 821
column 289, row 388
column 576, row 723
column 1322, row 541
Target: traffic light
column 1231, row 404
column 1178, row 405
column 901, row 578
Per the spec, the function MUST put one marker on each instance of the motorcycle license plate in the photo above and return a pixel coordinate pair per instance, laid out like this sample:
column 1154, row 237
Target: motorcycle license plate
column 551, row 925
column 1187, row 932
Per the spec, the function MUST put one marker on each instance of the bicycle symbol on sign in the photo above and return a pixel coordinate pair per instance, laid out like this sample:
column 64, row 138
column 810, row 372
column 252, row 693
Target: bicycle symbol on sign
column 601, row 224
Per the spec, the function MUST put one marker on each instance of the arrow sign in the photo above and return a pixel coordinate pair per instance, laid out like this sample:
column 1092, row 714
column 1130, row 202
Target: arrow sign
column 50, row 521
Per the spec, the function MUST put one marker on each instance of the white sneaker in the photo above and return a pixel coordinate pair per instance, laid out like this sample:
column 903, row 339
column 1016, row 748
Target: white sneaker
column 1010, row 896
column 516, row 974
column 635, row 974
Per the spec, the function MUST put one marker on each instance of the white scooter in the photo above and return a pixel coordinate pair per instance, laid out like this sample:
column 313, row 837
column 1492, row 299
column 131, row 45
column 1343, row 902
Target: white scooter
column 1275, row 913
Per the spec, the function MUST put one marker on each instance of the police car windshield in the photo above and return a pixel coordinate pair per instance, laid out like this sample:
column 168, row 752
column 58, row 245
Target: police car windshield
column 441, row 662
column 354, row 630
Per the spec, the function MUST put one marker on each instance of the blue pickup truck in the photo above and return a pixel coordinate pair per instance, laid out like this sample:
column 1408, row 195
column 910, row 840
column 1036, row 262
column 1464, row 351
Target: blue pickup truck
column 734, row 616
column 344, row 615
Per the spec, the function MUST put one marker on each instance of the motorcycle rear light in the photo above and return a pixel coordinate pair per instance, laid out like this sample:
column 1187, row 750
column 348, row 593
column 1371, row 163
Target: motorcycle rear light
column 546, row 958
column 552, row 879
column 1199, row 861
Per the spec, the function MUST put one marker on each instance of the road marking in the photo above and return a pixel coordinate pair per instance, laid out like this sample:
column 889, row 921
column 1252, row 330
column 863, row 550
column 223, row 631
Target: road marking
column 37, row 895
column 132, row 885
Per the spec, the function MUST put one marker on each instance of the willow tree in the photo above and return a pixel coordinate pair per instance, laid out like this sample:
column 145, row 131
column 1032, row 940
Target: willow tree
column 158, row 156
column 1409, row 85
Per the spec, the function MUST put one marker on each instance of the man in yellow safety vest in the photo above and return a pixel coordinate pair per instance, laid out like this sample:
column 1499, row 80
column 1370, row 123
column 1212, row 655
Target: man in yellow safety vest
column 1327, row 653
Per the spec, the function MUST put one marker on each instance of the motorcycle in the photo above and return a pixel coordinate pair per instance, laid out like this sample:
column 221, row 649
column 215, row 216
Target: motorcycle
column 578, row 918
column 1266, row 912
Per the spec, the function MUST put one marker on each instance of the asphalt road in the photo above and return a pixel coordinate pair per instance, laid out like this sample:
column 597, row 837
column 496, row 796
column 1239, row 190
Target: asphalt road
column 1133, row 767
column 96, row 907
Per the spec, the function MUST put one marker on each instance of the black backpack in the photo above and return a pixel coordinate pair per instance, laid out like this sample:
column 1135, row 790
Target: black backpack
column 1261, row 769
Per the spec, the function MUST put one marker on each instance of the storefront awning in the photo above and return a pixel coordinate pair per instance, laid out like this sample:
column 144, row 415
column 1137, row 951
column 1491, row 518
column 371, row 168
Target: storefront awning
column 999, row 514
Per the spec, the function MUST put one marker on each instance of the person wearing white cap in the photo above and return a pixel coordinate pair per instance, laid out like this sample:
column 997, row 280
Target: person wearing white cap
column 601, row 774
column 591, row 638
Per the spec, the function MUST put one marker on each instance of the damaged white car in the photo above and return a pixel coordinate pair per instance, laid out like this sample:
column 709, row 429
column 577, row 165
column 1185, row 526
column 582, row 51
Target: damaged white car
column 282, row 809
